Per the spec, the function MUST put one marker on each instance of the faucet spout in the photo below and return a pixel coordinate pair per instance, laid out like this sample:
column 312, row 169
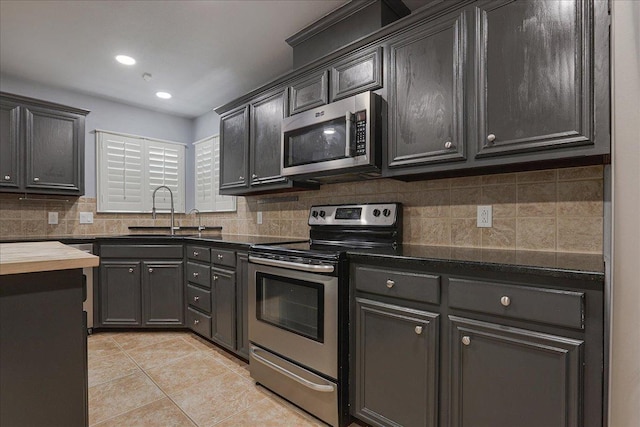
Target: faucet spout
column 153, row 209
column 200, row 226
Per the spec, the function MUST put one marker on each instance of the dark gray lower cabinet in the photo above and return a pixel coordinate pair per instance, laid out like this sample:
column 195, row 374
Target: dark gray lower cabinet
column 223, row 295
column 503, row 376
column 120, row 293
column 397, row 364
column 163, row 293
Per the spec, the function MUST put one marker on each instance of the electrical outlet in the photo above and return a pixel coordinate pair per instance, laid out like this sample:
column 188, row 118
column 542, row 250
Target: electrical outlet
column 53, row 218
column 86, row 217
column 485, row 216
column 259, row 217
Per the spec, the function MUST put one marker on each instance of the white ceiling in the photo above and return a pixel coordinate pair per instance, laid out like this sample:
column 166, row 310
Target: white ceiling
column 206, row 53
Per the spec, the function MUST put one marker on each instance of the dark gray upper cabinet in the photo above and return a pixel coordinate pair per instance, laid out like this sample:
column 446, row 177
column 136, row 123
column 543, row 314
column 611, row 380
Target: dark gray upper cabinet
column 502, row 376
column 120, row 293
column 396, row 365
column 10, row 176
column 163, row 292
column 358, row 72
column 234, row 149
column 265, row 146
column 42, row 146
column 534, row 76
column 223, row 294
column 426, row 94
column 309, row 92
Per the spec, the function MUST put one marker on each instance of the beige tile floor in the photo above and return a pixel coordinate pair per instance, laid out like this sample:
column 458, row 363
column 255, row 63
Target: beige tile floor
column 140, row 379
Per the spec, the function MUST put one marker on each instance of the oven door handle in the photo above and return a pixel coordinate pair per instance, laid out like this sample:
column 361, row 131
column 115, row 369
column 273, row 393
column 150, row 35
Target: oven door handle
column 314, row 268
column 324, row 388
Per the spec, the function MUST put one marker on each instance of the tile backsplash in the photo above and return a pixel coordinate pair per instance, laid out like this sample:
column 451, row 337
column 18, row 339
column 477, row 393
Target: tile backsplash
column 546, row 210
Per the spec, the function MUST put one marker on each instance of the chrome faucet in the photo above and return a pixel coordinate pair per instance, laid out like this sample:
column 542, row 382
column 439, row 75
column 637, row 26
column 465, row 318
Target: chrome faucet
column 153, row 209
column 200, row 226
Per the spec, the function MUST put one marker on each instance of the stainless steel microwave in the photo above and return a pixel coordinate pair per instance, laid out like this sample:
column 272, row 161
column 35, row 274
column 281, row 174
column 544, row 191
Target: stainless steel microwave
column 340, row 140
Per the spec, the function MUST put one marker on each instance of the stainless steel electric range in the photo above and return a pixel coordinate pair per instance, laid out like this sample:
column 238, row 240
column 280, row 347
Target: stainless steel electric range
column 299, row 305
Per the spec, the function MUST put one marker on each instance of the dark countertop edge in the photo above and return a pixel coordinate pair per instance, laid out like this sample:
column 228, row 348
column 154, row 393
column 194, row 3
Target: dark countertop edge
column 182, row 227
column 545, row 271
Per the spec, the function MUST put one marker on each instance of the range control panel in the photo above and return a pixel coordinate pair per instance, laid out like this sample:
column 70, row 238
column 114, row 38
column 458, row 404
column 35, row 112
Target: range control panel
column 370, row 214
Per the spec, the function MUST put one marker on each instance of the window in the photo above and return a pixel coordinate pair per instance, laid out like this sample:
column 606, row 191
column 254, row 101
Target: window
column 207, row 178
column 129, row 168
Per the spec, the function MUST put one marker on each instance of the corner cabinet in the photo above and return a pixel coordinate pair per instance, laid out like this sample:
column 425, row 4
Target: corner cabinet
column 41, row 146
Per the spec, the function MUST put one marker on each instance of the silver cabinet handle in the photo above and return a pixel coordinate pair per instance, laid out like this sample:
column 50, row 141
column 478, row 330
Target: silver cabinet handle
column 195, row 322
column 215, row 277
column 196, row 274
column 491, row 137
column 448, row 145
column 254, row 176
column 506, row 301
column 7, row 177
column 131, row 270
column 151, row 270
column 196, row 253
column 390, row 283
column 418, row 330
column 241, row 178
column 196, row 298
column 466, row 340
column 36, row 179
column 220, row 256
column 292, row 265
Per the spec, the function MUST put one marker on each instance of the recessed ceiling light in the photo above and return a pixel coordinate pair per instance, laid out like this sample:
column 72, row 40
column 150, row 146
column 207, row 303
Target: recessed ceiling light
column 163, row 95
column 126, row 60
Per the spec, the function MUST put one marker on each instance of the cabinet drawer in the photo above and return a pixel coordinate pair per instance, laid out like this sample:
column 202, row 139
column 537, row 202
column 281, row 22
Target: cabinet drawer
column 556, row 307
column 199, row 253
column 200, row 298
column 222, row 257
column 141, row 251
column 199, row 322
column 199, row 273
column 399, row 284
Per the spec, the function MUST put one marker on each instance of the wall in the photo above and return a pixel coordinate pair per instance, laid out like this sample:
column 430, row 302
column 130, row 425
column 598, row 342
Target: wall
column 624, row 405
column 548, row 210
column 206, row 125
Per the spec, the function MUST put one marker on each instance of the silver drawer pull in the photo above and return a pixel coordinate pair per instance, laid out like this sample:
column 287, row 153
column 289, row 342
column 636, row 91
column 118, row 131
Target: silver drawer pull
column 196, row 274
column 196, row 253
column 390, row 283
column 7, row 177
column 506, row 301
column 466, row 340
column 196, row 298
column 418, row 330
column 151, row 270
column 130, row 270
column 195, row 322
column 36, row 179
column 220, row 256
column 215, row 277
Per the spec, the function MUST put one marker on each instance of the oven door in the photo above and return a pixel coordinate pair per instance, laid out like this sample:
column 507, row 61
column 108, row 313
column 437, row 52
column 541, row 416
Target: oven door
column 295, row 314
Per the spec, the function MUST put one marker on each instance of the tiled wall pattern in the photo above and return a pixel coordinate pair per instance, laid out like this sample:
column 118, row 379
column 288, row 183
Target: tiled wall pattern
column 547, row 210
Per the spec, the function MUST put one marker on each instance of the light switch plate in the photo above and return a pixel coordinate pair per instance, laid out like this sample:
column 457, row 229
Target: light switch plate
column 485, row 216
column 53, row 218
column 86, row 217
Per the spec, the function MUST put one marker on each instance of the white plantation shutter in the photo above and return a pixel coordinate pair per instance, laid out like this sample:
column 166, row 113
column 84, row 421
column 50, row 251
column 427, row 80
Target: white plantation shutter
column 165, row 167
column 207, row 179
column 129, row 168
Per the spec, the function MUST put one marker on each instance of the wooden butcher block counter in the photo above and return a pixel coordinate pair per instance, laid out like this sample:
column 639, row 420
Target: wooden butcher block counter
column 43, row 334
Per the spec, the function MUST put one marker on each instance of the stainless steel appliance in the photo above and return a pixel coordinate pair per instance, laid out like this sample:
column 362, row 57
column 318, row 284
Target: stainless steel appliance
column 335, row 140
column 299, row 305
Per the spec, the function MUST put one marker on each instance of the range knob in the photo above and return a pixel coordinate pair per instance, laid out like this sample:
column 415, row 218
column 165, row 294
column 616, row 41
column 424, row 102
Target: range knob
column 376, row 212
column 386, row 212
column 314, row 214
column 322, row 214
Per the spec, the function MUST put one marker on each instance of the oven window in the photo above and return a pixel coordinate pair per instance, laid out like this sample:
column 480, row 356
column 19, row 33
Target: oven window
column 294, row 305
column 317, row 143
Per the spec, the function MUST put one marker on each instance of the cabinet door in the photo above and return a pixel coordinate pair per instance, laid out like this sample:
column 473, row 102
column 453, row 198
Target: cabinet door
column 120, row 292
column 162, row 284
column 234, row 149
column 426, row 94
column 9, row 145
column 223, row 305
column 358, row 72
column 266, row 140
column 396, row 362
column 534, row 76
column 503, row 376
column 54, row 144
column 242, row 305
column 308, row 92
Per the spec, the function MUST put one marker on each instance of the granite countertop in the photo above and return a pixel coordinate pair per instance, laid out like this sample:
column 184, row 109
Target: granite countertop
column 30, row 257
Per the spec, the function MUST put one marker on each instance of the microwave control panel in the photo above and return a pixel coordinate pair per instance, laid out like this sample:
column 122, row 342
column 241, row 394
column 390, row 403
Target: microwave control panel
column 361, row 133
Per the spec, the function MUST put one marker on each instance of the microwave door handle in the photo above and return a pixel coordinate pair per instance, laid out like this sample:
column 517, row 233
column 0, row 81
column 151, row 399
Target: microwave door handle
column 348, row 120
